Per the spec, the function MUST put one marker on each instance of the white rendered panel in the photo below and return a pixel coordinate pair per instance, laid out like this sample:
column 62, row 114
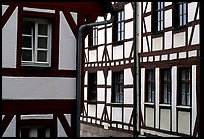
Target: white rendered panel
column 182, row 55
column 164, row 57
column 100, row 108
column 86, row 78
column 145, row 44
column 118, row 52
column 100, row 94
column 100, row 77
column 60, row 129
column 109, row 35
column 38, row 10
column 184, row 122
column 117, row 114
column 179, row 39
column 128, row 11
column 9, row 46
column 109, row 78
column 128, row 96
column 86, row 42
column 108, row 97
column 4, row 8
column 144, row 5
column 38, row 88
column 168, row 40
column 173, row 56
column 174, row 95
column 167, row 3
column 156, row 58
column 101, row 36
column 11, row 129
column 128, row 77
column 192, row 53
column 149, row 117
column 196, row 35
column 36, row 116
column 165, row 121
column 157, row 43
column 100, row 53
column 85, row 93
column 148, row 7
column 148, row 23
column 194, row 100
column 92, row 55
column 168, row 18
column 128, row 46
column 129, row 30
column 109, row 48
column 67, row 46
column 92, row 110
column 191, row 11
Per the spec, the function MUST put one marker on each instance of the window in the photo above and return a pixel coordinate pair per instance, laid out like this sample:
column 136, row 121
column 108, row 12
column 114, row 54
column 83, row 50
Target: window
column 92, row 88
column 180, row 14
column 118, row 27
column 158, row 17
column 184, row 87
column 94, row 36
column 150, row 85
column 117, row 87
column 165, row 79
column 36, row 42
column 40, row 131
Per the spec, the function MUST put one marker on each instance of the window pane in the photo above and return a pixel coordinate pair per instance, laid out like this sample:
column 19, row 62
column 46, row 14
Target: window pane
column 27, row 55
column 26, row 41
column 42, row 56
column 42, row 42
column 183, row 100
column 42, row 29
column 27, row 27
column 41, row 132
column 25, row 132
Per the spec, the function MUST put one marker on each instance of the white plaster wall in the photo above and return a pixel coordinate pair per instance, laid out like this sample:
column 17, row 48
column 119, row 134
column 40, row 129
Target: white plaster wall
column 191, row 11
column 128, row 96
column 167, row 40
column 100, row 108
column 109, row 49
column 196, row 35
column 118, row 52
column 38, row 10
column 179, row 39
column 192, row 53
column 164, row 57
column 86, row 56
column 116, row 114
column 184, row 122
column 129, row 30
column 149, row 117
column 86, row 78
column 86, row 42
column 194, row 104
column 85, row 93
column 36, row 116
column 148, row 23
column 174, row 94
column 128, row 46
column 128, row 11
column 38, row 88
column 67, row 45
column 109, row 35
column 100, row 77
column 100, row 53
column 168, row 18
column 4, row 8
column 145, row 46
column 92, row 55
column 182, row 55
column 173, row 56
column 101, row 38
column 157, row 43
column 167, row 3
column 11, row 129
column 100, row 94
column 92, row 110
column 108, row 95
column 109, row 80
column 128, row 77
column 9, row 46
column 127, row 114
column 149, row 6
column 165, row 119
column 60, row 129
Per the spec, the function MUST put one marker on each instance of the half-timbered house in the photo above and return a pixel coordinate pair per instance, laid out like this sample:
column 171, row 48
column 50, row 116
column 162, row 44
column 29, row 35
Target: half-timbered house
column 39, row 73
column 108, row 78
column 170, row 68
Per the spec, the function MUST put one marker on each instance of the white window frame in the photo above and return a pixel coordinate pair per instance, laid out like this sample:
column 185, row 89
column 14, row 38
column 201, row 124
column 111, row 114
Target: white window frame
column 34, row 42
